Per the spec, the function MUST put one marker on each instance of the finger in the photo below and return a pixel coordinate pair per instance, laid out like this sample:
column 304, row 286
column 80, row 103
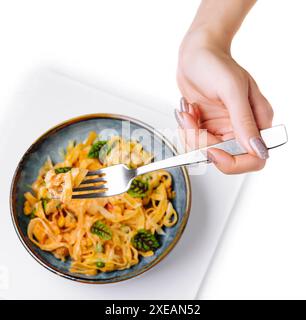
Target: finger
column 197, row 110
column 262, row 110
column 185, row 106
column 192, row 135
column 243, row 121
column 193, row 112
column 206, row 107
column 234, row 164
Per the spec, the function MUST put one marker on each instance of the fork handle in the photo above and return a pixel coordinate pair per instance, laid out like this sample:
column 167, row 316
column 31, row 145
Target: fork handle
column 273, row 137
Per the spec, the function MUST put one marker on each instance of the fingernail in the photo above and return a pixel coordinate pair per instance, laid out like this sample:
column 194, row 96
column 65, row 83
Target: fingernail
column 211, row 157
column 179, row 118
column 184, row 105
column 259, row 147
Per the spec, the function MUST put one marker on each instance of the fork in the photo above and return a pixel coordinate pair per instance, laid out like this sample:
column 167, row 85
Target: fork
column 117, row 179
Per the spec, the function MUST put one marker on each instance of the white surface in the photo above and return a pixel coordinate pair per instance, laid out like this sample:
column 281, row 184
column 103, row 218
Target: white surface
column 134, row 44
column 48, row 98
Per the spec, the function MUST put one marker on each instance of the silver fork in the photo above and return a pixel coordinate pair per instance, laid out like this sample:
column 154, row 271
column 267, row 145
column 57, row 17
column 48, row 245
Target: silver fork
column 117, row 179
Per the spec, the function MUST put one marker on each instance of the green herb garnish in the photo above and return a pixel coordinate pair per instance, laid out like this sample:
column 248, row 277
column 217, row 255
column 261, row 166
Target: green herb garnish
column 101, row 230
column 100, row 264
column 62, row 170
column 145, row 241
column 95, row 149
column 32, row 214
column 139, row 188
column 99, row 247
column 44, row 202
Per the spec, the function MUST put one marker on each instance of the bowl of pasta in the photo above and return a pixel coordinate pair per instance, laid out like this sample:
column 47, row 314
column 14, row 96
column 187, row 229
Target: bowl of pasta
column 99, row 240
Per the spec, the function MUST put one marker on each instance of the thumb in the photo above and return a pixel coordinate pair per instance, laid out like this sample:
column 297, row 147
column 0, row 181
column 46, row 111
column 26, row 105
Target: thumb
column 243, row 122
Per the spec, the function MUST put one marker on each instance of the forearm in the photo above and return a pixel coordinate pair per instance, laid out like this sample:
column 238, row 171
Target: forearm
column 217, row 21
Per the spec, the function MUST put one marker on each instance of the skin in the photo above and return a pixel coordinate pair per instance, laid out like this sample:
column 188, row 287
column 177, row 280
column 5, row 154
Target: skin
column 223, row 97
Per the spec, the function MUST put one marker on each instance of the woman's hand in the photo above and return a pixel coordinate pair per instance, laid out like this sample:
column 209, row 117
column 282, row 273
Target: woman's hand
column 222, row 98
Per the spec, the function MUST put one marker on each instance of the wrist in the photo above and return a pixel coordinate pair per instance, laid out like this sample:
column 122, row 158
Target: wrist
column 216, row 23
column 209, row 38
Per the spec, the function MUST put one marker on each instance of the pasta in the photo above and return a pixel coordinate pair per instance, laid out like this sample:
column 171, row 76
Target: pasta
column 103, row 234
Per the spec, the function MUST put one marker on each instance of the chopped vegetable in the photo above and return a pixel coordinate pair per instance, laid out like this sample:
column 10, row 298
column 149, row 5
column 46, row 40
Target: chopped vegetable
column 99, row 247
column 33, row 215
column 100, row 264
column 91, row 138
column 145, row 241
column 61, row 222
column 139, row 188
column 109, row 206
column 62, row 170
column 95, row 149
column 27, row 208
column 44, row 202
column 101, row 230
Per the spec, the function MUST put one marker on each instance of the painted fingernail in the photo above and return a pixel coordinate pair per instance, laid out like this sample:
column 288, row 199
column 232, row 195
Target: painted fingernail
column 259, row 147
column 211, row 157
column 179, row 118
column 184, row 106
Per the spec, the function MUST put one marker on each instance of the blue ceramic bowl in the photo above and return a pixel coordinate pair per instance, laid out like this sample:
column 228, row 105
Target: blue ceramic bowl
column 77, row 129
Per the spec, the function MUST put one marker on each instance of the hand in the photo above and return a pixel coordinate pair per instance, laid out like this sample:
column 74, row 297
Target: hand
column 225, row 100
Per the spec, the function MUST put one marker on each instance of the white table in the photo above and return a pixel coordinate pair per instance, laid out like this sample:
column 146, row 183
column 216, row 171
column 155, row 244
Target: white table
column 47, row 98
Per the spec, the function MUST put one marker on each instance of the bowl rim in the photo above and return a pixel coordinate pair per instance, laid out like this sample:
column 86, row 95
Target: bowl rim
column 77, row 277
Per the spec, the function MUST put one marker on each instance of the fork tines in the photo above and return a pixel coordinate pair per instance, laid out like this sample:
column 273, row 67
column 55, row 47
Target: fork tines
column 92, row 187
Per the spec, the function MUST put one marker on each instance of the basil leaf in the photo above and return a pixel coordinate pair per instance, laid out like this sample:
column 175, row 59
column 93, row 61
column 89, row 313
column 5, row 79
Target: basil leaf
column 145, row 241
column 95, row 149
column 62, row 170
column 139, row 188
column 102, row 230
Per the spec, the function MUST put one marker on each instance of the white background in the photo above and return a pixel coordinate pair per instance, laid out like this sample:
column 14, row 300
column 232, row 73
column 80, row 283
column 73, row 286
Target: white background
column 134, row 44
